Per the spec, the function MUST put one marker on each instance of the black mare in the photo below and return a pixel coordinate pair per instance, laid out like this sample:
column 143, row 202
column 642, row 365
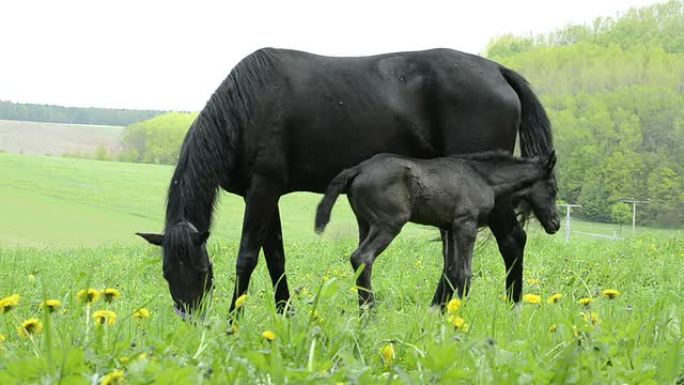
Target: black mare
column 455, row 194
column 285, row 121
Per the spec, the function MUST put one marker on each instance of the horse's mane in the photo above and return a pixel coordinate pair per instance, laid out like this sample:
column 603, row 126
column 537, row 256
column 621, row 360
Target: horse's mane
column 492, row 157
column 208, row 151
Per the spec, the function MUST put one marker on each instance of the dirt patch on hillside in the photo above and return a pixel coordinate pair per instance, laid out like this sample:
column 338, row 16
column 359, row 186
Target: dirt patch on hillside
column 58, row 138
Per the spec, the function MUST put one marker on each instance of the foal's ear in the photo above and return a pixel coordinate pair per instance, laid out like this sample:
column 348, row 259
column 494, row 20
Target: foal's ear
column 202, row 237
column 550, row 162
column 155, row 239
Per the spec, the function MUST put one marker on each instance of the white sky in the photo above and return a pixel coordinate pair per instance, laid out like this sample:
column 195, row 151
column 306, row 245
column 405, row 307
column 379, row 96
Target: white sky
column 172, row 55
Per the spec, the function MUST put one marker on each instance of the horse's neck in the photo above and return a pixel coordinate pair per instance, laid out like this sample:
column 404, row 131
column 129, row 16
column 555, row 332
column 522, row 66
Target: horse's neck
column 192, row 201
column 509, row 178
column 193, row 191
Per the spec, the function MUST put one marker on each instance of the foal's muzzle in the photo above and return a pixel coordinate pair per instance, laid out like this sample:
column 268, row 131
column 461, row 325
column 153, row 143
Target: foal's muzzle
column 552, row 226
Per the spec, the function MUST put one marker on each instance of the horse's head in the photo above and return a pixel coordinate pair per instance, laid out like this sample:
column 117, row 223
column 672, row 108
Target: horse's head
column 541, row 196
column 186, row 264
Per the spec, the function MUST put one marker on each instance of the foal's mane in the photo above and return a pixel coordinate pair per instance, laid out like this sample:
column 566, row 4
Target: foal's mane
column 492, row 157
column 208, row 151
column 491, row 164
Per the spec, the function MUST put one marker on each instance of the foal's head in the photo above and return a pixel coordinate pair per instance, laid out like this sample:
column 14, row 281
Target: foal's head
column 541, row 196
column 186, row 264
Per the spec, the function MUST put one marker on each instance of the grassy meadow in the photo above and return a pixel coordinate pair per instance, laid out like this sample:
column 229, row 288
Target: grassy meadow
column 66, row 225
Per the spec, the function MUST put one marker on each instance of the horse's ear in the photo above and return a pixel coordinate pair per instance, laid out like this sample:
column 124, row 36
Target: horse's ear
column 202, row 237
column 155, row 239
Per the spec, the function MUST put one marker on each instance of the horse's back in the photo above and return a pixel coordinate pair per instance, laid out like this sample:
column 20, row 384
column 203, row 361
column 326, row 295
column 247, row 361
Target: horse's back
column 322, row 114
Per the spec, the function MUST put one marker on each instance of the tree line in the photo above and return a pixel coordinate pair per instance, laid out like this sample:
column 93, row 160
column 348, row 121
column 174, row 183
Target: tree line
column 157, row 140
column 614, row 91
column 75, row 115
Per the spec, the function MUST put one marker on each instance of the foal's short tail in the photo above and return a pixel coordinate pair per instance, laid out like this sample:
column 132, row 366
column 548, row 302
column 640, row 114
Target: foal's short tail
column 338, row 185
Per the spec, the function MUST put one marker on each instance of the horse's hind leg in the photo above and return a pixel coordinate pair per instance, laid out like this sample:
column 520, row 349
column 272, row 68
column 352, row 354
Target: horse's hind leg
column 275, row 262
column 511, row 239
column 261, row 203
column 375, row 243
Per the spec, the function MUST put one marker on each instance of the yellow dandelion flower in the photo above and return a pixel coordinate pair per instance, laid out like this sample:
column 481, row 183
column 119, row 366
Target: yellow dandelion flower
column 9, row 303
column 553, row 328
column 2, row 338
column 534, row 281
column 269, row 335
column 586, row 301
column 31, row 278
column 88, row 295
column 388, row 354
column 114, row 377
column 454, row 305
column 591, row 317
column 554, row 298
column 533, row 299
column 104, row 317
column 459, row 323
column 240, row 301
column 610, row 293
column 124, row 360
column 51, row 305
column 30, row 327
column 141, row 314
column 110, row 294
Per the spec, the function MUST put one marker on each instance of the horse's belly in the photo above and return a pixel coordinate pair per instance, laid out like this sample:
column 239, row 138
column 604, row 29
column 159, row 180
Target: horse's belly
column 323, row 150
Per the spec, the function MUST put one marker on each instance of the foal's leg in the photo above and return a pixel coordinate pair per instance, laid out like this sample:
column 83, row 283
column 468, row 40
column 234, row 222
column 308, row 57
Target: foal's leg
column 459, row 269
column 511, row 239
column 261, row 203
column 439, row 298
column 275, row 262
column 377, row 240
column 364, row 227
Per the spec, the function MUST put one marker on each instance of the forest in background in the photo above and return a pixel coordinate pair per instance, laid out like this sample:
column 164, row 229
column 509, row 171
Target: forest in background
column 614, row 91
column 75, row 115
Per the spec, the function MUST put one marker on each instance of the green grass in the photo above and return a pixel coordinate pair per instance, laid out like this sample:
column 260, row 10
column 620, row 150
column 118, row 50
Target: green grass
column 637, row 341
column 85, row 212
column 49, row 201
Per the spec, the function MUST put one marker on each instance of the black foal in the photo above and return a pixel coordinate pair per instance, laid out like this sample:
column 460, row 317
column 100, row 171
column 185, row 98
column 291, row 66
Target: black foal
column 454, row 193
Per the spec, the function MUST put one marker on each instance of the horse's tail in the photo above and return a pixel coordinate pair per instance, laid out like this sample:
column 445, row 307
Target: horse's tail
column 338, row 185
column 535, row 126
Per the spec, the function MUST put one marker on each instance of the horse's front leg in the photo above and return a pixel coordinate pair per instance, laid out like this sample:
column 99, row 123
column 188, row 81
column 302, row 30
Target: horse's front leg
column 275, row 262
column 261, row 204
